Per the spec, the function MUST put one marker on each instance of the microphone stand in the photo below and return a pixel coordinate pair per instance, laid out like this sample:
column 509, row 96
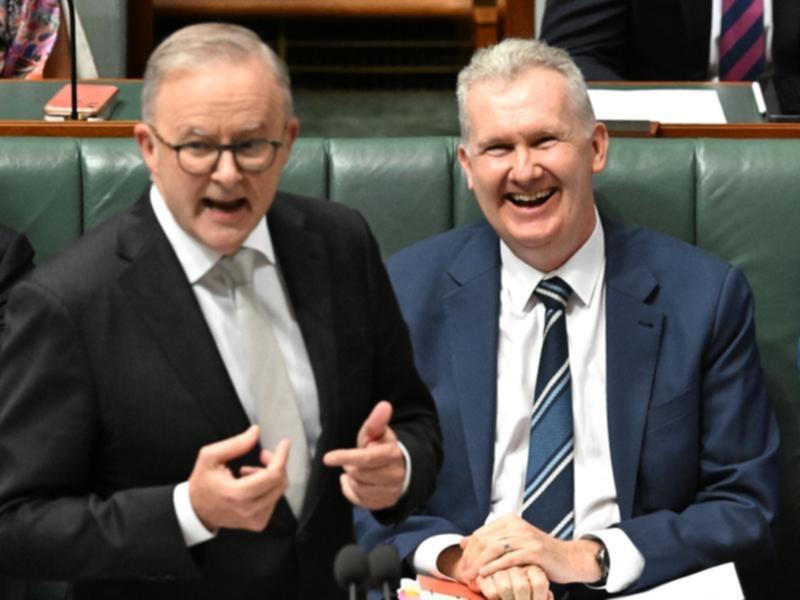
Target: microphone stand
column 73, row 49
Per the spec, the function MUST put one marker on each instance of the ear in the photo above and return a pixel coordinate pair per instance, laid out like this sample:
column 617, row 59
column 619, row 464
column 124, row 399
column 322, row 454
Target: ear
column 466, row 165
column 144, row 139
column 292, row 129
column 599, row 147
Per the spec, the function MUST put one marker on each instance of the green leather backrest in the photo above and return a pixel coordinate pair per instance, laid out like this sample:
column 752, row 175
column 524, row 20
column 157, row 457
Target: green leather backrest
column 748, row 212
column 40, row 191
column 395, row 183
column 650, row 182
column 114, row 176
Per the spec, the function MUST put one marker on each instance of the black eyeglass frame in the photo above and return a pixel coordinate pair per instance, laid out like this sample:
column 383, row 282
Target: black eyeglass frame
column 220, row 148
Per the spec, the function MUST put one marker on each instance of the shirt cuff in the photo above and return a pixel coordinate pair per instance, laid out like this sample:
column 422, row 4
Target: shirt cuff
column 407, row 457
column 426, row 556
column 625, row 564
column 193, row 530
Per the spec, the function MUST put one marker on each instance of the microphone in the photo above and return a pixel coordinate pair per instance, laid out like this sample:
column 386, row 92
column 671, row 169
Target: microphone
column 385, row 569
column 350, row 568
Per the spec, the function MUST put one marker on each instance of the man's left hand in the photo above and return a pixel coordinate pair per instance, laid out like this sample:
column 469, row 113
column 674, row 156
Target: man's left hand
column 374, row 471
column 513, row 542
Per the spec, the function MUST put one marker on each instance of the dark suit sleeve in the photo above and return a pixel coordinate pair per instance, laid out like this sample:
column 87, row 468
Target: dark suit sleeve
column 414, row 418
column 594, row 32
column 54, row 523
column 16, row 259
column 736, row 499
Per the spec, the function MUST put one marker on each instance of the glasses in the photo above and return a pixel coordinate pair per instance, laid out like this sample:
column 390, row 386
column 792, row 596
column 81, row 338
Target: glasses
column 200, row 157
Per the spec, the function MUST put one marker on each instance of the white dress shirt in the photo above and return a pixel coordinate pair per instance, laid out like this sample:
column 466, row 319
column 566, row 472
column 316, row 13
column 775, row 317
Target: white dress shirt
column 716, row 28
column 519, row 346
column 219, row 310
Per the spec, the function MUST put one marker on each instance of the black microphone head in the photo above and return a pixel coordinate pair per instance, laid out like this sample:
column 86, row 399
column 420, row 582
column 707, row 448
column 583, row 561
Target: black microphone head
column 350, row 566
column 384, row 565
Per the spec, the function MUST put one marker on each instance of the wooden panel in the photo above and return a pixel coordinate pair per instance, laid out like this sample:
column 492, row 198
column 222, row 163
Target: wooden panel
column 140, row 36
column 312, row 8
column 518, row 20
column 67, row 129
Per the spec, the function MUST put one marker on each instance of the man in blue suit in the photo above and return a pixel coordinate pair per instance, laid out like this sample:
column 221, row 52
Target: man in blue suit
column 674, row 466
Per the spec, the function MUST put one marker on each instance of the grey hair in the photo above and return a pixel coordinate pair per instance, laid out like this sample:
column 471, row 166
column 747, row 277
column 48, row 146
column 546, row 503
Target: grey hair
column 197, row 45
column 510, row 58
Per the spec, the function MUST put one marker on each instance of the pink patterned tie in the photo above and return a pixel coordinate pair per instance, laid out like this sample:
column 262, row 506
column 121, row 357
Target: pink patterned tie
column 741, row 42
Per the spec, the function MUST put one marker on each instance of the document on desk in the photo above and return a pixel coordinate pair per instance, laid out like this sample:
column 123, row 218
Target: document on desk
column 716, row 583
column 663, row 106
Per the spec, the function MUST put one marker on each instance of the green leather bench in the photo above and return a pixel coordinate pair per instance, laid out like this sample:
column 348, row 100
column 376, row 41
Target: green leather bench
column 738, row 199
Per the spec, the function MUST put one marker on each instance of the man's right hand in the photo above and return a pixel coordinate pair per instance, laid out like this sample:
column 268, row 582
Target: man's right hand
column 220, row 499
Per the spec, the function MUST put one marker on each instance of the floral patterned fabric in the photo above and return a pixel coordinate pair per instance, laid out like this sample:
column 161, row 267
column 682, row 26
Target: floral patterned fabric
column 28, row 31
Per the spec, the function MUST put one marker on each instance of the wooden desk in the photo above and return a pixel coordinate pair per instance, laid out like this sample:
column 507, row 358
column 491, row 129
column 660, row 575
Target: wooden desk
column 22, row 110
column 21, row 113
column 744, row 120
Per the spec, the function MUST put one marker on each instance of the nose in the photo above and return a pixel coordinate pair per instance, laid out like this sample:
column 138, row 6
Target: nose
column 226, row 172
column 524, row 166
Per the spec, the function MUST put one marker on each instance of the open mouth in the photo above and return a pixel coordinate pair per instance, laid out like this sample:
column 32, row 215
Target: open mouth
column 525, row 201
column 228, row 206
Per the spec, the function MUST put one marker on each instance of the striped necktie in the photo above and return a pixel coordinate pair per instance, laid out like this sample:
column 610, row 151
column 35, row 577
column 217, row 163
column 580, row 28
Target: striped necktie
column 741, row 41
column 548, row 497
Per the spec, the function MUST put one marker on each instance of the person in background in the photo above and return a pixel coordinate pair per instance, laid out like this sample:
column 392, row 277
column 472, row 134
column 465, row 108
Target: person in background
column 16, row 259
column 608, row 426
column 34, row 41
column 674, row 40
column 194, row 394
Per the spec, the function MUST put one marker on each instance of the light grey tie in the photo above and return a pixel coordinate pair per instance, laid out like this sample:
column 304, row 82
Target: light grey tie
column 275, row 405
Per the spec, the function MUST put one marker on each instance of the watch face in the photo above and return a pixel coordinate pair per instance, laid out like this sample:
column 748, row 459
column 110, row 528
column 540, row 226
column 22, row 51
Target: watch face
column 603, row 562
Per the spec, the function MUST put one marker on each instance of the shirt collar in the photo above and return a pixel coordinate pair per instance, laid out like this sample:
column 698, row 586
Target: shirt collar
column 195, row 257
column 583, row 272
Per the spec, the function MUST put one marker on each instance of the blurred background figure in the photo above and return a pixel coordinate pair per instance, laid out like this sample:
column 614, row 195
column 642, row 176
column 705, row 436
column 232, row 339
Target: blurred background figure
column 674, row 40
column 34, row 40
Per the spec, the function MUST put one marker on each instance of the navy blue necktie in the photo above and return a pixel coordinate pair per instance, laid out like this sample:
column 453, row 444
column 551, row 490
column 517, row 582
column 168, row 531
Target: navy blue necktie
column 549, row 497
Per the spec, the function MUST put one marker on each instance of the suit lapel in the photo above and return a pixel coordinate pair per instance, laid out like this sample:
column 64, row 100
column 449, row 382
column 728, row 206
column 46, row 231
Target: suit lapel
column 472, row 308
column 633, row 333
column 304, row 266
column 157, row 285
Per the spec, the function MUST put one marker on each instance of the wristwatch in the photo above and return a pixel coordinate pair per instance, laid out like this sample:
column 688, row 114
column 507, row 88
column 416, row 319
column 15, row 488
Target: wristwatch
column 604, row 562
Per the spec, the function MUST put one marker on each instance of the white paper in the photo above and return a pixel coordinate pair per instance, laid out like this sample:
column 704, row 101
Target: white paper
column 663, row 106
column 716, row 583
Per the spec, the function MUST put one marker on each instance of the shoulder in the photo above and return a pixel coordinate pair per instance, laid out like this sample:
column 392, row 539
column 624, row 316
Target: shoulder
column 662, row 252
column 87, row 266
column 322, row 215
column 433, row 256
column 16, row 252
column 685, row 274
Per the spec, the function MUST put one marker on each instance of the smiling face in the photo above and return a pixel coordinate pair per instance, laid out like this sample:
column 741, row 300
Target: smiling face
column 530, row 161
column 221, row 102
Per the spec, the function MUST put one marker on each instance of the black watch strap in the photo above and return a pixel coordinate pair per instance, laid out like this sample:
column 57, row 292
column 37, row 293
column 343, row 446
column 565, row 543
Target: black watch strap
column 604, row 562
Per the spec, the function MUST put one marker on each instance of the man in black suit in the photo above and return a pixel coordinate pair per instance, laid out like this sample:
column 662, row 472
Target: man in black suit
column 642, row 40
column 16, row 259
column 129, row 380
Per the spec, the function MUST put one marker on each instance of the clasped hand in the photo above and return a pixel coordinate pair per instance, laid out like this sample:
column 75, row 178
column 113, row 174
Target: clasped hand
column 511, row 542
